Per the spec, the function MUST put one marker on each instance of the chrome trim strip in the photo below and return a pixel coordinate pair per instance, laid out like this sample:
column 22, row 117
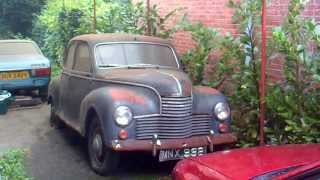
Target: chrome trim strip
column 176, row 79
column 146, row 116
column 119, row 82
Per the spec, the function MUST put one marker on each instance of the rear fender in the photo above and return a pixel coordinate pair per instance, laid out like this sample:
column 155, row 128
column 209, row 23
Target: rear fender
column 54, row 91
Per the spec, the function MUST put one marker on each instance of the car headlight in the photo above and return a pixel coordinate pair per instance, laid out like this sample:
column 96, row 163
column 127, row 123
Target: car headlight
column 123, row 115
column 222, row 111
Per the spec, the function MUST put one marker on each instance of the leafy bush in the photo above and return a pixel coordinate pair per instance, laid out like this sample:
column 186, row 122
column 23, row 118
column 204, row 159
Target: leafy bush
column 12, row 166
column 132, row 18
column 239, row 63
column 195, row 60
column 122, row 18
column 295, row 104
column 246, row 65
column 293, row 107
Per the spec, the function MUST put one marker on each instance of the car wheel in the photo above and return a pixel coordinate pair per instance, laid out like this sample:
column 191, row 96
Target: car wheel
column 55, row 121
column 43, row 93
column 103, row 161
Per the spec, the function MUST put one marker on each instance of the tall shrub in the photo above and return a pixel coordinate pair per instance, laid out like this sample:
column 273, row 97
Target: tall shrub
column 246, row 69
column 133, row 18
column 239, row 64
column 196, row 59
column 296, row 103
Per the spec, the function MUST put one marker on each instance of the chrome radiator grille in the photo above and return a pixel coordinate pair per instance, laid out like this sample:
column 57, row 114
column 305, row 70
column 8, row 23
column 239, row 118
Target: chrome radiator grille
column 176, row 121
column 176, row 107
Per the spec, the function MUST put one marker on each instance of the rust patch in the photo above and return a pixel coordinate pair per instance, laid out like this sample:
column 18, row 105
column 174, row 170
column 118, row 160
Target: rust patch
column 129, row 96
column 206, row 90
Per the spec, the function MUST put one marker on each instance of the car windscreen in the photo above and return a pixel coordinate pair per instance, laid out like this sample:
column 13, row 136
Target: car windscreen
column 130, row 54
column 18, row 48
column 313, row 174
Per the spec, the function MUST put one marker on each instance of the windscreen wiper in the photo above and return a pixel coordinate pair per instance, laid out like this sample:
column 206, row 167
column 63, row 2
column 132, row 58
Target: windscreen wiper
column 111, row 65
column 134, row 66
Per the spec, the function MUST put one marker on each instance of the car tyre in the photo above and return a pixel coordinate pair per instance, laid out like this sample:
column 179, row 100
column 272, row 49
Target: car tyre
column 43, row 93
column 55, row 121
column 103, row 160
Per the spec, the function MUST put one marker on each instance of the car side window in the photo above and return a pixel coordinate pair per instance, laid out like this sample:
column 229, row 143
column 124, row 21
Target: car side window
column 82, row 58
column 68, row 63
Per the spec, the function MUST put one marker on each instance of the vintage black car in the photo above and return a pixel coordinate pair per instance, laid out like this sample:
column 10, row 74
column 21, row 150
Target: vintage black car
column 129, row 93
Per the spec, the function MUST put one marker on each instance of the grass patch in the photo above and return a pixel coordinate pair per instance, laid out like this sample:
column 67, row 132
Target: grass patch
column 12, row 165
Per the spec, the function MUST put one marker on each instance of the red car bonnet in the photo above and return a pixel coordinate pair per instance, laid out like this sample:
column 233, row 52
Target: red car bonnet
column 250, row 162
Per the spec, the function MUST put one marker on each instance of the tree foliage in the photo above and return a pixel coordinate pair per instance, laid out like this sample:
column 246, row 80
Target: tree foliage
column 58, row 22
column 62, row 20
column 16, row 16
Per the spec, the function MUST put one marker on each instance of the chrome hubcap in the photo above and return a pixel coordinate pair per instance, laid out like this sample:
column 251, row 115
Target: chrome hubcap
column 97, row 145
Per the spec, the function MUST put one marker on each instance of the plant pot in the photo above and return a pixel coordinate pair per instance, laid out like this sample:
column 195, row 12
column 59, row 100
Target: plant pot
column 5, row 100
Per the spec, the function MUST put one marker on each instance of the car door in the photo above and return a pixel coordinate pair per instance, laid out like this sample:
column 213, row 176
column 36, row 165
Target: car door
column 80, row 81
column 65, row 99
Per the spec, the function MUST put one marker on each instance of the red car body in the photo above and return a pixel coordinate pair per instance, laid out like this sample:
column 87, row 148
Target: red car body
column 268, row 162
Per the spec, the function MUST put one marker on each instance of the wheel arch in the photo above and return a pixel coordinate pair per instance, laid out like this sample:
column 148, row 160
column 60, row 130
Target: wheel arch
column 53, row 91
column 91, row 113
column 49, row 99
column 103, row 101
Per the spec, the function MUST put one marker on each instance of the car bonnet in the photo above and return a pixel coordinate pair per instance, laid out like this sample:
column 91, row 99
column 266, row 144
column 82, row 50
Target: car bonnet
column 250, row 162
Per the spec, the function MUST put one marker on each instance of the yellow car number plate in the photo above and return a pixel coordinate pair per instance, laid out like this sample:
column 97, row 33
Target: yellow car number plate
column 19, row 75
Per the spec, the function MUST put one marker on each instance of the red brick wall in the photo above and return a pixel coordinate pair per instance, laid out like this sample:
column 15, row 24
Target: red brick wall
column 212, row 13
column 216, row 14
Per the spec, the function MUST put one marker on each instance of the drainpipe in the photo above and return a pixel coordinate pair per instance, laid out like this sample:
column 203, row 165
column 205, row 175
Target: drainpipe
column 263, row 72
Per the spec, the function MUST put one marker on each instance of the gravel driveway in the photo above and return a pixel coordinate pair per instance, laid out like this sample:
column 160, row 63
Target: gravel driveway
column 61, row 154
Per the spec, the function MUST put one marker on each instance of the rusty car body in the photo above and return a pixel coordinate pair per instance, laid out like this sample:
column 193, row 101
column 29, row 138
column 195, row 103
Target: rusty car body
column 129, row 93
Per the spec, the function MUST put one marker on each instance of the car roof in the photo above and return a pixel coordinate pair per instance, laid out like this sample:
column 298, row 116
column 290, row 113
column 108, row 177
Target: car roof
column 93, row 39
column 250, row 162
column 16, row 41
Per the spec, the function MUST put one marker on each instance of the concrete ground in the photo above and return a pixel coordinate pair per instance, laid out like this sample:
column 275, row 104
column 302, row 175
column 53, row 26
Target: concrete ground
column 61, row 154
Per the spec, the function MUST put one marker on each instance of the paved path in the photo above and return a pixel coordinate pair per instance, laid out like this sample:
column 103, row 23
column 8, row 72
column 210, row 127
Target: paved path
column 60, row 154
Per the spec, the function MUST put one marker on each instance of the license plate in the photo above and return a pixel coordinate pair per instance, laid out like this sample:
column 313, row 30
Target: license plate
column 14, row 75
column 174, row 154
